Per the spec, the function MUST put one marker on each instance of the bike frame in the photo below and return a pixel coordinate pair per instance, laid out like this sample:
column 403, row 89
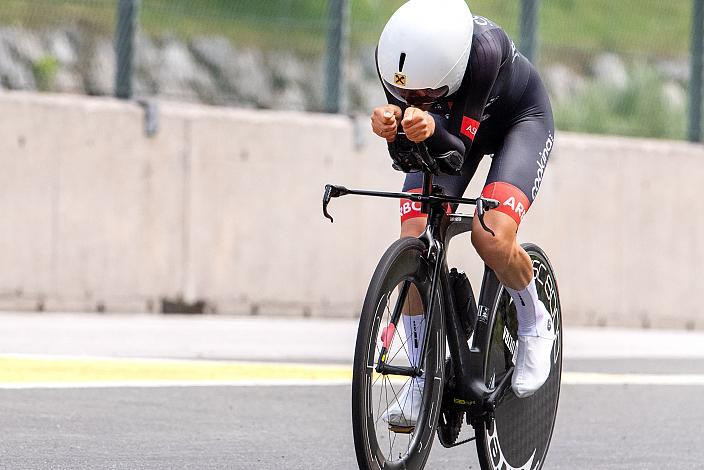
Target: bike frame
column 470, row 363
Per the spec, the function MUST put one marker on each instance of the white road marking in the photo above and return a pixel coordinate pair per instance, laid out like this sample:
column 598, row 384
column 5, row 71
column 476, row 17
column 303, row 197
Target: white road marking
column 568, row 378
column 597, row 378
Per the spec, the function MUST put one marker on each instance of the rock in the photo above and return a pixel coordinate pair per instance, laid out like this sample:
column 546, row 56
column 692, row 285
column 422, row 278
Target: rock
column 14, row 74
column 355, row 99
column 675, row 96
column 146, row 54
column 146, row 65
column 365, row 95
column 303, row 73
column 100, row 74
column 366, row 58
column 174, row 72
column 251, row 78
column 610, row 70
column 314, row 85
column 142, row 88
column 217, row 55
column 674, row 69
column 180, row 77
column 26, row 46
column 59, row 45
column 292, row 98
column 286, row 69
column 562, row 82
column 68, row 81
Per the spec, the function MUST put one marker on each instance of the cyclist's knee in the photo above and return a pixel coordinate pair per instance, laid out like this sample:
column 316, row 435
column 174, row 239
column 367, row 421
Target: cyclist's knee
column 496, row 249
column 413, row 227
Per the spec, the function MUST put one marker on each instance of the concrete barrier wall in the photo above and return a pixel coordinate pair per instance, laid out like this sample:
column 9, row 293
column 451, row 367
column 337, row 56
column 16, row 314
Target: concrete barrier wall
column 224, row 206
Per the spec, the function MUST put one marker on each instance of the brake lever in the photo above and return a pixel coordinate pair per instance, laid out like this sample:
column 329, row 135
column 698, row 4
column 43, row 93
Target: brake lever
column 491, row 204
column 332, row 191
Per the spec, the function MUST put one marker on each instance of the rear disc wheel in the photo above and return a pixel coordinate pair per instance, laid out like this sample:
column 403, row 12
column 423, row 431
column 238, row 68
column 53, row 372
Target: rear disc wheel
column 518, row 437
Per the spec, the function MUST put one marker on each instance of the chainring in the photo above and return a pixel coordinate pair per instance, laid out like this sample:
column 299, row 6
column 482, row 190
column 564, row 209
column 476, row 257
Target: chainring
column 450, row 420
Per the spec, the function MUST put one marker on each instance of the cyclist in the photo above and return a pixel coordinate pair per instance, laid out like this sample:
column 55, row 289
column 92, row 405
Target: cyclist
column 457, row 82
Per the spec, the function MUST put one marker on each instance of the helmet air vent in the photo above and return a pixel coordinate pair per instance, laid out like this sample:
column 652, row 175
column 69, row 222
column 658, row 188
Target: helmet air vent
column 401, row 61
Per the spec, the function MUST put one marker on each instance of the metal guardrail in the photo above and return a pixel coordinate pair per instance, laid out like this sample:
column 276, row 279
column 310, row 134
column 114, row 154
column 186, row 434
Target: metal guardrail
column 695, row 80
column 605, row 76
column 127, row 14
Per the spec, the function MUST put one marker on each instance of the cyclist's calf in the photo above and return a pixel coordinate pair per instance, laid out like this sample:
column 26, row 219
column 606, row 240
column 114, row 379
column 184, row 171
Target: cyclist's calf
column 495, row 250
column 501, row 252
column 413, row 227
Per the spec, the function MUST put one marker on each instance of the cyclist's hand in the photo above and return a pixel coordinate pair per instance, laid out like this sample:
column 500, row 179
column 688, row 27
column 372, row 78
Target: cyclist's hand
column 417, row 124
column 385, row 121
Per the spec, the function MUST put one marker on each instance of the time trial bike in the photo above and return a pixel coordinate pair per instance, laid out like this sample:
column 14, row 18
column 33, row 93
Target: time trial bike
column 468, row 355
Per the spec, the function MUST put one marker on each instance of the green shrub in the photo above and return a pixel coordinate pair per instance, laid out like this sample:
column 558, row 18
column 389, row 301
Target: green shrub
column 640, row 109
column 45, row 70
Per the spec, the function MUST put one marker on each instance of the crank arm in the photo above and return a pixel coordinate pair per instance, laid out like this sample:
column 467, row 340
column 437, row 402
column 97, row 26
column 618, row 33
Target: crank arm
column 461, row 442
column 497, row 396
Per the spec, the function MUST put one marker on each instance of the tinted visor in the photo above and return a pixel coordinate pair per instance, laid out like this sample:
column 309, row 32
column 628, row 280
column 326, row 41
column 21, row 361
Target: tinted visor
column 417, row 97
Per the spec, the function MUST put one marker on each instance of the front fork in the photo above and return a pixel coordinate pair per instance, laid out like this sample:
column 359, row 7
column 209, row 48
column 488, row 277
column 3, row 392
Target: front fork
column 436, row 256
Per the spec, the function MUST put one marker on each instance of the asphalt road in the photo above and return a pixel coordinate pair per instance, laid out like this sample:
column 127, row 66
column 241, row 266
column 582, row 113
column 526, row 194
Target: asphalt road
column 304, row 427
column 631, row 410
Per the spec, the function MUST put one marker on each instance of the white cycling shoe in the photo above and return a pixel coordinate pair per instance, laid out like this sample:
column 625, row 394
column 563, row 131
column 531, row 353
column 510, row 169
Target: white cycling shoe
column 403, row 413
column 534, row 358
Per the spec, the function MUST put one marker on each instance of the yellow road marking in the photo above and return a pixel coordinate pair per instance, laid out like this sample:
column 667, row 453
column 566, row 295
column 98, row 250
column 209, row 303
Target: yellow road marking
column 26, row 370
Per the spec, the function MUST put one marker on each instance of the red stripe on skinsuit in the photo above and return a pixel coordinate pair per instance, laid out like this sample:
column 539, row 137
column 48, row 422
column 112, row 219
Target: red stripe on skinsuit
column 512, row 201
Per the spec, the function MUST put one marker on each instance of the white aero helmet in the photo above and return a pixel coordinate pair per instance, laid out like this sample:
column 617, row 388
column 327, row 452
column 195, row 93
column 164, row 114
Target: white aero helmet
column 424, row 50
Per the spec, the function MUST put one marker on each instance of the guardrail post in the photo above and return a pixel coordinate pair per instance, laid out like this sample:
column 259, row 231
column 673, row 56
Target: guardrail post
column 529, row 28
column 338, row 25
column 695, row 78
column 127, row 15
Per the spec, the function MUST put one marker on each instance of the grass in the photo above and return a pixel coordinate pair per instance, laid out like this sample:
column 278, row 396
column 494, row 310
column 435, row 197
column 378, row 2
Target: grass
column 95, row 15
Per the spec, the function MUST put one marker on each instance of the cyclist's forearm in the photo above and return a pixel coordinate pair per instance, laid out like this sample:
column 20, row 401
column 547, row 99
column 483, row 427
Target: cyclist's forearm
column 442, row 140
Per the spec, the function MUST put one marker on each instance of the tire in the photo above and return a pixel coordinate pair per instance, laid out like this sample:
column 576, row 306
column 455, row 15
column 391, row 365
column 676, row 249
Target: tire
column 519, row 435
column 375, row 444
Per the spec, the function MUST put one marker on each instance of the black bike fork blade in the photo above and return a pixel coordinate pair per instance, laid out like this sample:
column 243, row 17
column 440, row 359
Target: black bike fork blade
column 390, row 330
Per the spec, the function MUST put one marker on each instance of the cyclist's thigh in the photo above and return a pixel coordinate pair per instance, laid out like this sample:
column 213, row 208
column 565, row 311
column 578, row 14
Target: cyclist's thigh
column 518, row 167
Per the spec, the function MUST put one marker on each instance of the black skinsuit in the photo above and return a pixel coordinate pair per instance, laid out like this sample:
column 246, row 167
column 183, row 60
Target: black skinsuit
column 501, row 108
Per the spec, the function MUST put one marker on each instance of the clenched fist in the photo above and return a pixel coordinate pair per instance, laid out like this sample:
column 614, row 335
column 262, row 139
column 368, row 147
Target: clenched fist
column 385, row 121
column 417, row 124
